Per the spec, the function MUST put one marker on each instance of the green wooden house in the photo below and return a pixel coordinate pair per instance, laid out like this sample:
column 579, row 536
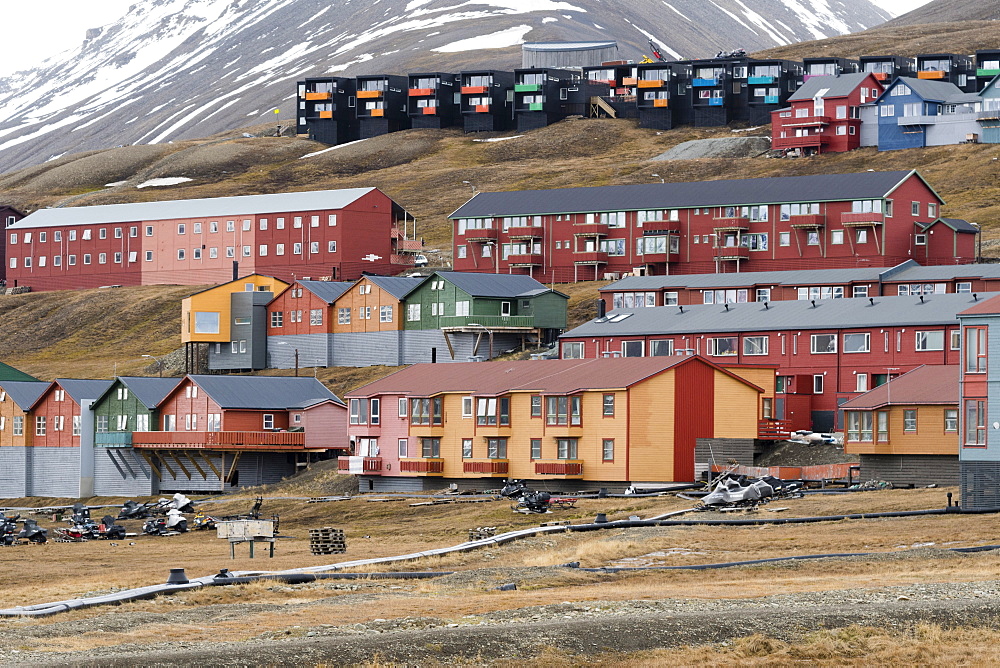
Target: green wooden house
column 509, row 310
column 127, row 406
column 8, row 372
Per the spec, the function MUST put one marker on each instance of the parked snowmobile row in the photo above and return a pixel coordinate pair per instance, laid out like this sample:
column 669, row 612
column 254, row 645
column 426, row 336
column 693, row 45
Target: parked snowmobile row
column 740, row 491
column 530, row 501
column 30, row 531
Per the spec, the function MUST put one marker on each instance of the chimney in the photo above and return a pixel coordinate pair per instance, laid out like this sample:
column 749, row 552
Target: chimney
column 601, row 308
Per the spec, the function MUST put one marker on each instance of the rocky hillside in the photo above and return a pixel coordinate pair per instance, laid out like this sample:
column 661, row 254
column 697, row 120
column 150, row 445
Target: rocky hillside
column 948, row 11
column 180, row 69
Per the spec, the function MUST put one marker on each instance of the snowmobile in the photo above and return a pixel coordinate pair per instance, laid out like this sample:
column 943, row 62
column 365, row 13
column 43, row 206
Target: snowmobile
column 174, row 522
column 81, row 514
column 203, row 521
column 8, row 529
column 134, row 511
column 33, row 533
column 528, row 500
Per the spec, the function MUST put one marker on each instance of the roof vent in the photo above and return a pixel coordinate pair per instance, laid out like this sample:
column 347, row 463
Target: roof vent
column 727, row 307
column 813, row 302
column 765, row 306
column 681, row 308
column 921, row 299
column 871, row 301
column 975, row 297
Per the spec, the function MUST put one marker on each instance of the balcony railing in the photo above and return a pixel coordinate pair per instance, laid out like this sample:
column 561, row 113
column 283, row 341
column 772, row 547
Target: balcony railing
column 421, row 92
column 803, row 121
column 369, row 94
column 854, row 218
column 698, row 81
column 761, row 80
column 881, row 76
column 932, row 74
column 590, row 229
column 474, row 90
column 651, row 83
column 806, row 140
column 319, row 96
column 525, row 232
column 591, row 257
column 525, row 259
column 486, row 466
column 427, row 466
column 773, row 429
column 527, row 88
column 488, row 321
column 807, row 221
column 362, row 465
column 113, row 439
column 570, row 468
column 732, row 253
column 922, row 119
column 987, row 72
column 481, row 234
column 225, row 440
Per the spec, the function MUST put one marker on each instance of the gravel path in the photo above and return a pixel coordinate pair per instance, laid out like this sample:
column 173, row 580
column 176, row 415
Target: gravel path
column 594, row 627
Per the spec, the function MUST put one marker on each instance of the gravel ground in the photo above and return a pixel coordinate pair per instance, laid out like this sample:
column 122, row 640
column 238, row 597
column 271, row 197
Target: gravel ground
column 725, row 147
column 580, row 628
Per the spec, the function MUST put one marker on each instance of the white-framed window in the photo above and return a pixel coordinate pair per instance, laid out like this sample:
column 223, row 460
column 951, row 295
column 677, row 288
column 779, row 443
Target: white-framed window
column 861, row 382
column 755, row 345
column 413, row 312
column 723, row 346
column 401, row 410
column 632, row 348
column 385, row 313
column 930, row 340
column 858, row 342
column 823, row 343
column 344, row 315
column 296, row 249
column 316, row 316
column 572, row 350
column 661, row 348
column 818, row 383
column 836, row 237
column 402, row 449
column 331, row 247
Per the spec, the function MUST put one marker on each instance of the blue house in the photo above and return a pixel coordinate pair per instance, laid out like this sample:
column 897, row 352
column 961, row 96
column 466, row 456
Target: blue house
column 909, row 108
column 988, row 115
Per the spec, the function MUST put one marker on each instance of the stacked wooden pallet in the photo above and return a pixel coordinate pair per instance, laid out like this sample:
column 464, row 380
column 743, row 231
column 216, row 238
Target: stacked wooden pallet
column 479, row 533
column 327, row 541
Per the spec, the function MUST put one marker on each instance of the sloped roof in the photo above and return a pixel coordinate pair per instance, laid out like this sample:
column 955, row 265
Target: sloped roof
column 24, row 393
column 567, row 46
column 8, row 372
column 242, row 205
column 81, row 390
column 926, row 89
column 397, row 286
column 495, row 285
column 956, row 224
column 328, row 291
column 705, row 281
column 542, row 376
column 241, row 279
column 989, row 306
column 779, row 316
column 264, row 392
column 928, row 384
column 839, row 86
column 149, row 391
column 646, row 196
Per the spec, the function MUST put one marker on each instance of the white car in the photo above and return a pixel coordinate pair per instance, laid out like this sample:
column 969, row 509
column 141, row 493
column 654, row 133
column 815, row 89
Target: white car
column 420, row 261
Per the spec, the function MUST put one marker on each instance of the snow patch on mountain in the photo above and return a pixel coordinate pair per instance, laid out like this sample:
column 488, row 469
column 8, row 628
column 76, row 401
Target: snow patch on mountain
column 497, row 40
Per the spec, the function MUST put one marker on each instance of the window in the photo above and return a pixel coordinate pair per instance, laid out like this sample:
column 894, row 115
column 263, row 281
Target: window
column 723, row 346
column 956, row 339
column 661, row 348
column 101, row 424
column 975, row 422
column 951, row 419
column 142, row 422
column 755, row 345
column 18, row 425
column 572, row 350
column 247, row 251
column 566, row 448
column 277, row 318
column 632, row 348
column 358, row 411
column 818, row 383
column 374, row 412
column 426, row 411
column 915, row 208
column 861, row 236
column 975, row 350
column 859, row 426
column 836, row 237
column 401, row 409
column 860, row 291
column 919, row 239
column 466, row 407
column 344, row 315
column 401, row 445
column 536, row 448
column 608, row 449
column 385, row 313
column 496, row 448
column 909, row 420
column 466, row 448
column 314, row 247
column 857, row 343
column 536, row 405
column 268, row 421
column 230, row 251
column 40, row 425
column 86, row 258
column 230, row 226
column 102, row 258
column 823, row 343
column 180, row 254
column 861, row 382
column 933, row 340
column 315, row 316
column 413, row 312
column 430, row 447
column 609, row 405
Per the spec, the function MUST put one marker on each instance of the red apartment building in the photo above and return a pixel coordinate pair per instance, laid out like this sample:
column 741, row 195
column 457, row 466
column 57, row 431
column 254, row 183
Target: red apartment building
column 826, row 351
column 824, row 114
column 330, row 233
column 875, row 219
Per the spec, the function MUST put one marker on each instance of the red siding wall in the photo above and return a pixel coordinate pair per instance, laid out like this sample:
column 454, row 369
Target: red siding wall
column 694, row 406
column 287, row 302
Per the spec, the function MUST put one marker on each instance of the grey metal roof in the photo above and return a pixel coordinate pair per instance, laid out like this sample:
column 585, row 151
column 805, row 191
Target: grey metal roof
column 328, row 291
column 926, row 89
column 705, row 281
column 493, row 285
column 84, row 390
column 728, row 192
column 212, row 207
column 149, row 391
column 956, row 224
column 567, row 46
column 264, row 392
column 838, row 86
column 964, row 98
column 397, row 286
column 24, row 392
column 781, row 316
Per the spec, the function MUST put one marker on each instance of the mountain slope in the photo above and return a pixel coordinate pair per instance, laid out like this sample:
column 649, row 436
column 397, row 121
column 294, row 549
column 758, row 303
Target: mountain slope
column 946, row 11
column 176, row 69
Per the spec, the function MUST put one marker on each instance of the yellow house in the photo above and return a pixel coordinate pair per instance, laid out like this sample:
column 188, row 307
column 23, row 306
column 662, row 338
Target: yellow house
column 906, row 431
column 597, row 420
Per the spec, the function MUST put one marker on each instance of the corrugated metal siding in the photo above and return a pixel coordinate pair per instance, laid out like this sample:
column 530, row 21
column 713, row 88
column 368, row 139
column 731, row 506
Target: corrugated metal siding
column 918, row 470
column 53, row 472
column 980, row 485
column 418, row 344
column 122, row 472
column 314, row 350
column 367, row 348
column 951, row 129
column 210, row 483
column 12, row 482
column 256, row 468
column 720, row 451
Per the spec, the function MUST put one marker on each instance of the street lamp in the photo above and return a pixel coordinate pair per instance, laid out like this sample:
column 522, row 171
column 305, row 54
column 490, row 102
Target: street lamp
column 888, row 387
column 659, row 177
column 285, row 343
column 488, row 331
column 470, row 184
column 159, row 364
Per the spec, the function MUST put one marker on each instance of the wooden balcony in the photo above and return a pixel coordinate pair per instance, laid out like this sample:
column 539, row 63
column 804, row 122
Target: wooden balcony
column 369, row 94
column 326, row 114
column 429, row 111
column 319, row 96
column 481, row 234
column 651, row 83
column 475, row 90
column 806, row 121
column 630, row 81
column 525, row 232
column 590, row 230
column 562, row 468
column 731, row 223
column 377, row 112
column 360, row 465
column 661, row 102
column 852, row 219
column 414, row 245
column 808, row 140
column 422, row 466
column 773, row 429
column 810, row 221
column 592, row 257
column 881, row 76
column 525, row 259
column 932, row 74
column 482, row 109
column 420, row 92
column 493, row 322
column 219, row 440
column 732, row 253
column 486, row 467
